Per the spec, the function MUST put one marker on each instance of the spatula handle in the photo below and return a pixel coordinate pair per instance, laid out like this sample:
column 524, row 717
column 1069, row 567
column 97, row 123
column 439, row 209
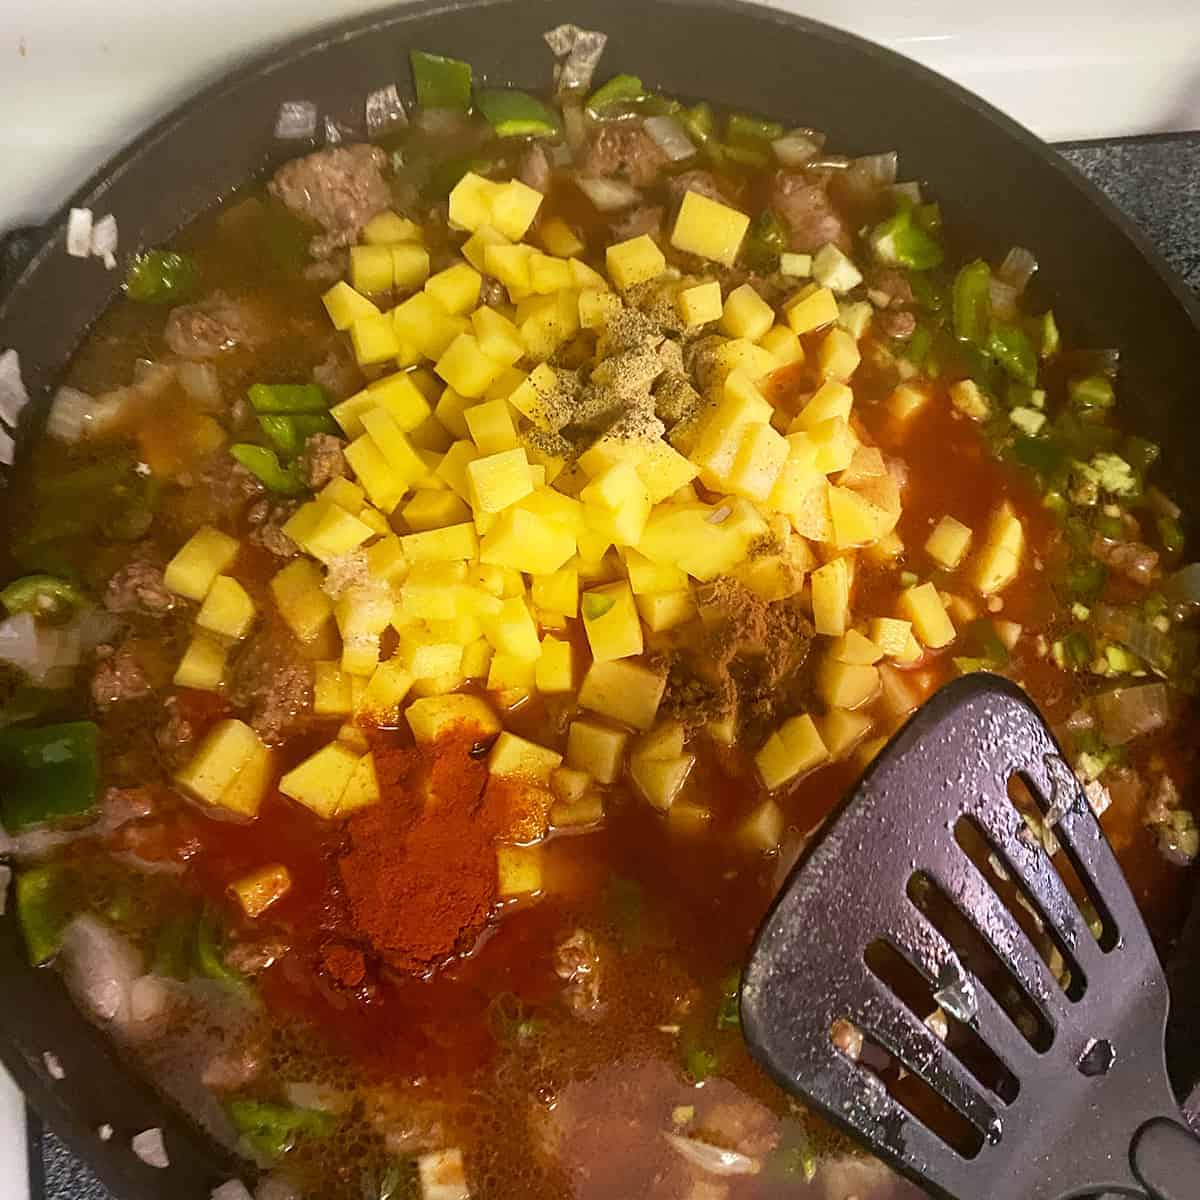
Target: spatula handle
column 1165, row 1157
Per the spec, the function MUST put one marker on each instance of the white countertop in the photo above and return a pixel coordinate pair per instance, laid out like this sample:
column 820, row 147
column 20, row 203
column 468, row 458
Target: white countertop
column 79, row 78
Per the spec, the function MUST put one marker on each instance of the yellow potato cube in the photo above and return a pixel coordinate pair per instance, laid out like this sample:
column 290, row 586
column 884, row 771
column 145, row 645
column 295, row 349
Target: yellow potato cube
column 568, row 785
column 421, row 322
column 371, row 268
column 205, row 555
column 610, row 619
column 228, row 749
column 890, row 634
column 617, row 504
column 203, row 664
column 597, row 308
column 518, row 873
column 708, row 228
column 452, row 470
column 635, row 261
column 842, row 730
column 406, row 464
column 799, row 266
column 998, row 561
column 746, row 314
column 831, row 597
column 409, row 265
column 514, row 757
column 423, row 656
column 583, row 276
column 456, row 289
column 433, row 716
column 383, row 484
column 853, row 647
column 498, row 337
column 837, row 355
column 559, row 238
column 336, row 533
column 451, row 412
column 227, row 609
column 511, row 679
column 301, row 601
column 434, row 510
column 476, row 659
column 646, row 576
column 598, row 750
column 345, row 306
column 923, row 606
column 385, row 691
column 760, row 456
column 510, row 265
column 471, row 201
column 402, row 399
column 526, row 541
column 557, row 592
column 498, row 480
column 555, row 670
column 514, row 206
column 783, row 345
column 700, row 304
column 333, row 693
column 512, row 629
column 834, row 444
column 763, row 829
column 466, row 368
column 948, row 543
column 491, row 426
column 665, row 610
column 856, row 521
column 970, row 400
column 624, row 691
column 385, row 558
column 319, row 781
column 547, row 274
column 832, row 399
column 846, row 685
column 802, row 493
column 344, row 494
column 441, row 545
column 741, row 354
column 389, row 228
column 906, row 400
column 810, row 308
column 660, row 780
column 260, row 889
column 475, row 247
column 794, row 749
column 374, row 340
column 363, row 789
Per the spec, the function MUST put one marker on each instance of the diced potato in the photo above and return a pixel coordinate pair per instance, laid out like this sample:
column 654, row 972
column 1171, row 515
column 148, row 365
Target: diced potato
column 833, row 443
column 688, row 536
column 699, row 304
column 665, row 610
column 852, row 647
column 512, row 629
column 970, row 400
column 510, row 265
column 227, row 609
column 617, row 504
column 527, row 541
column 226, row 750
column 998, row 561
column 518, row 758
column 948, row 543
column 456, row 289
column 345, row 306
column 831, row 597
column 689, row 818
column 384, row 485
column 260, row 889
column 772, row 576
column 384, row 693
column 389, row 228
column 708, row 228
column 374, row 340
column 886, row 550
column 514, row 206
column 300, row 599
column 660, row 780
column 597, row 308
column 665, row 740
column 802, row 493
column 635, row 261
column 512, row 679
column 319, row 781
column 831, row 399
column 906, row 400
column 832, row 269
column 471, row 201
column 557, row 592
column 741, row 354
column 451, row 412
column 498, row 480
column 410, row 265
column 429, row 509
column 474, row 248
column 625, row 691
column 559, row 238
column 203, row 664
column 810, row 308
column 491, row 426
column 333, row 533
column 781, row 342
column 400, row 396
column 476, row 659
column 746, row 314
column 842, row 730
column 846, row 685
column 794, row 749
column 912, row 652
column 423, row 655
column 333, row 692
column 518, row 873
column 433, row 716
column 466, row 368
column 646, row 576
column 371, row 268
column 421, row 322
column 441, row 545
column 555, row 670
column 890, row 634
column 760, row 456
column 799, row 266
column 596, row 749
column 856, row 521
column 610, row 619
column 548, row 274
column 570, row 785
column 923, row 606
column 363, row 789
column 249, row 788
column 344, row 494
column 837, row 355
column 855, row 318
column 763, row 828
column 452, row 470
column 498, row 337
column 205, row 555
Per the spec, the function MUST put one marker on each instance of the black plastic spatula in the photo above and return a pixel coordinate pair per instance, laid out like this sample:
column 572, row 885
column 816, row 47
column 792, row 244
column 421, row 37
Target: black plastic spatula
column 931, row 896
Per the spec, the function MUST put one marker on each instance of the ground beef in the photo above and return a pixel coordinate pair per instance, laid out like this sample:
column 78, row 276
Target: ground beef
column 254, row 955
column 174, row 736
column 647, row 219
column 234, row 1068
column 322, row 460
column 492, row 292
column 809, row 214
column 739, row 1123
column 900, row 325
column 889, row 288
column 273, row 683
column 340, row 189
column 213, row 327
column 118, row 676
column 535, row 168
column 703, row 182
column 267, row 519
column 577, row 961
column 626, row 150
column 138, row 588
column 1134, row 560
column 337, row 373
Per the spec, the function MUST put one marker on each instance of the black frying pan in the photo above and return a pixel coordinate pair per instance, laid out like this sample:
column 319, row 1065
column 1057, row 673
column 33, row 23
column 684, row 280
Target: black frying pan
column 999, row 186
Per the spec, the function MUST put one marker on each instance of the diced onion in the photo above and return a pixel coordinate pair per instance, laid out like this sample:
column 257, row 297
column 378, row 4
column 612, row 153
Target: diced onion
column 148, row 998
column 1017, row 268
column 1129, row 712
column 798, row 146
column 201, row 382
column 79, row 233
column 297, row 120
column 53, row 1065
column 105, row 237
column 911, row 190
column 1162, row 504
column 150, row 1148
column 608, row 195
column 712, row 1159
column 235, row 1189
column 70, row 411
column 13, row 393
column 579, row 52
column 575, row 127
column 441, row 122
column 333, row 132
column 99, row 966
column 385, row 111
column 1004, row 298
column 8, row 449
column 880, row 169
column 670, row 137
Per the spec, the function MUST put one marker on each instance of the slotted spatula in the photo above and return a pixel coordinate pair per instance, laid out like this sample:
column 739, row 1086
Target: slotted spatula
column 1087, row 1107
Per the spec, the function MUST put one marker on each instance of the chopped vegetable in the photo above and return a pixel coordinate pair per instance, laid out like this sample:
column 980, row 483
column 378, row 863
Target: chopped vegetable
column 288, row 398
column 272, row 1129
column 41, row 910
column 972, row 303
column 516, row 114
column 289, row 431
column 620, row 89
column 1129, row 712
column 745, row 130
column 49, row 772
column 1012, row 349
column 1091, row 393
column 728, row 1012
column 266, row 468
column 46, row 596
column 441, row 82
column 765, row 242
column 162, row 277
column 209, row 960
column 902, row 241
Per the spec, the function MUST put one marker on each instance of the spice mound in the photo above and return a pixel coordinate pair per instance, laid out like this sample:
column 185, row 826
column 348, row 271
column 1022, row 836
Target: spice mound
column 419, row 868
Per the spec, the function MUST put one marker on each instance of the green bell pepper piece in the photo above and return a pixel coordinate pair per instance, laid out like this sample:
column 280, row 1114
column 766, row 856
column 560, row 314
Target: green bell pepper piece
column 447, row 172
column 174, row 948
column 208, row 958
column 49, row 772
column 1012, row 349
column 699, row 122
column 1076, row 649
column 1170, row 532
column 729, row 1014
column 1091, row 393
column 655, row 104
column 441, row 82
column 745, row 154
column 42, row 595
column 620, row 89
column 972, row 302
column 1140, row 453
column 288, row 398
column 41, row 911
column 1041, row 454
column 289, row 431
column 742, row 129
column 982, row 641
column 265, row 467
column 161, row 277
column 928, row 217
column 900, row 241
column 1048, row 335
column 516, row 114
column 1085, row 580
column 272, row 1129
column 766, row 240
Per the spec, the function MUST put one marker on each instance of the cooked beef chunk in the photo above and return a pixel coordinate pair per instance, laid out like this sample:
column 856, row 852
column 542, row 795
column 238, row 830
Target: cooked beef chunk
column 273, row 682
column 118, row 676
column 1135, row 560
column 212, row 327
column 492, row 292
column 174, row 736
column 340, row 189
column 267, row 519
column 535, row 168
column 233, row 1068
column 889, row 288
column 338, row 373
column 896, row 324
column 703, row 182
column 138, row 588
column 322, row 460
column 809, row 214
column 577, row 961
column 624, row 149
column 647, row 219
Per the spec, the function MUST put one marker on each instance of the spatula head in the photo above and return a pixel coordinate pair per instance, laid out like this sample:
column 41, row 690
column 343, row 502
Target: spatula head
column 930, row 895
